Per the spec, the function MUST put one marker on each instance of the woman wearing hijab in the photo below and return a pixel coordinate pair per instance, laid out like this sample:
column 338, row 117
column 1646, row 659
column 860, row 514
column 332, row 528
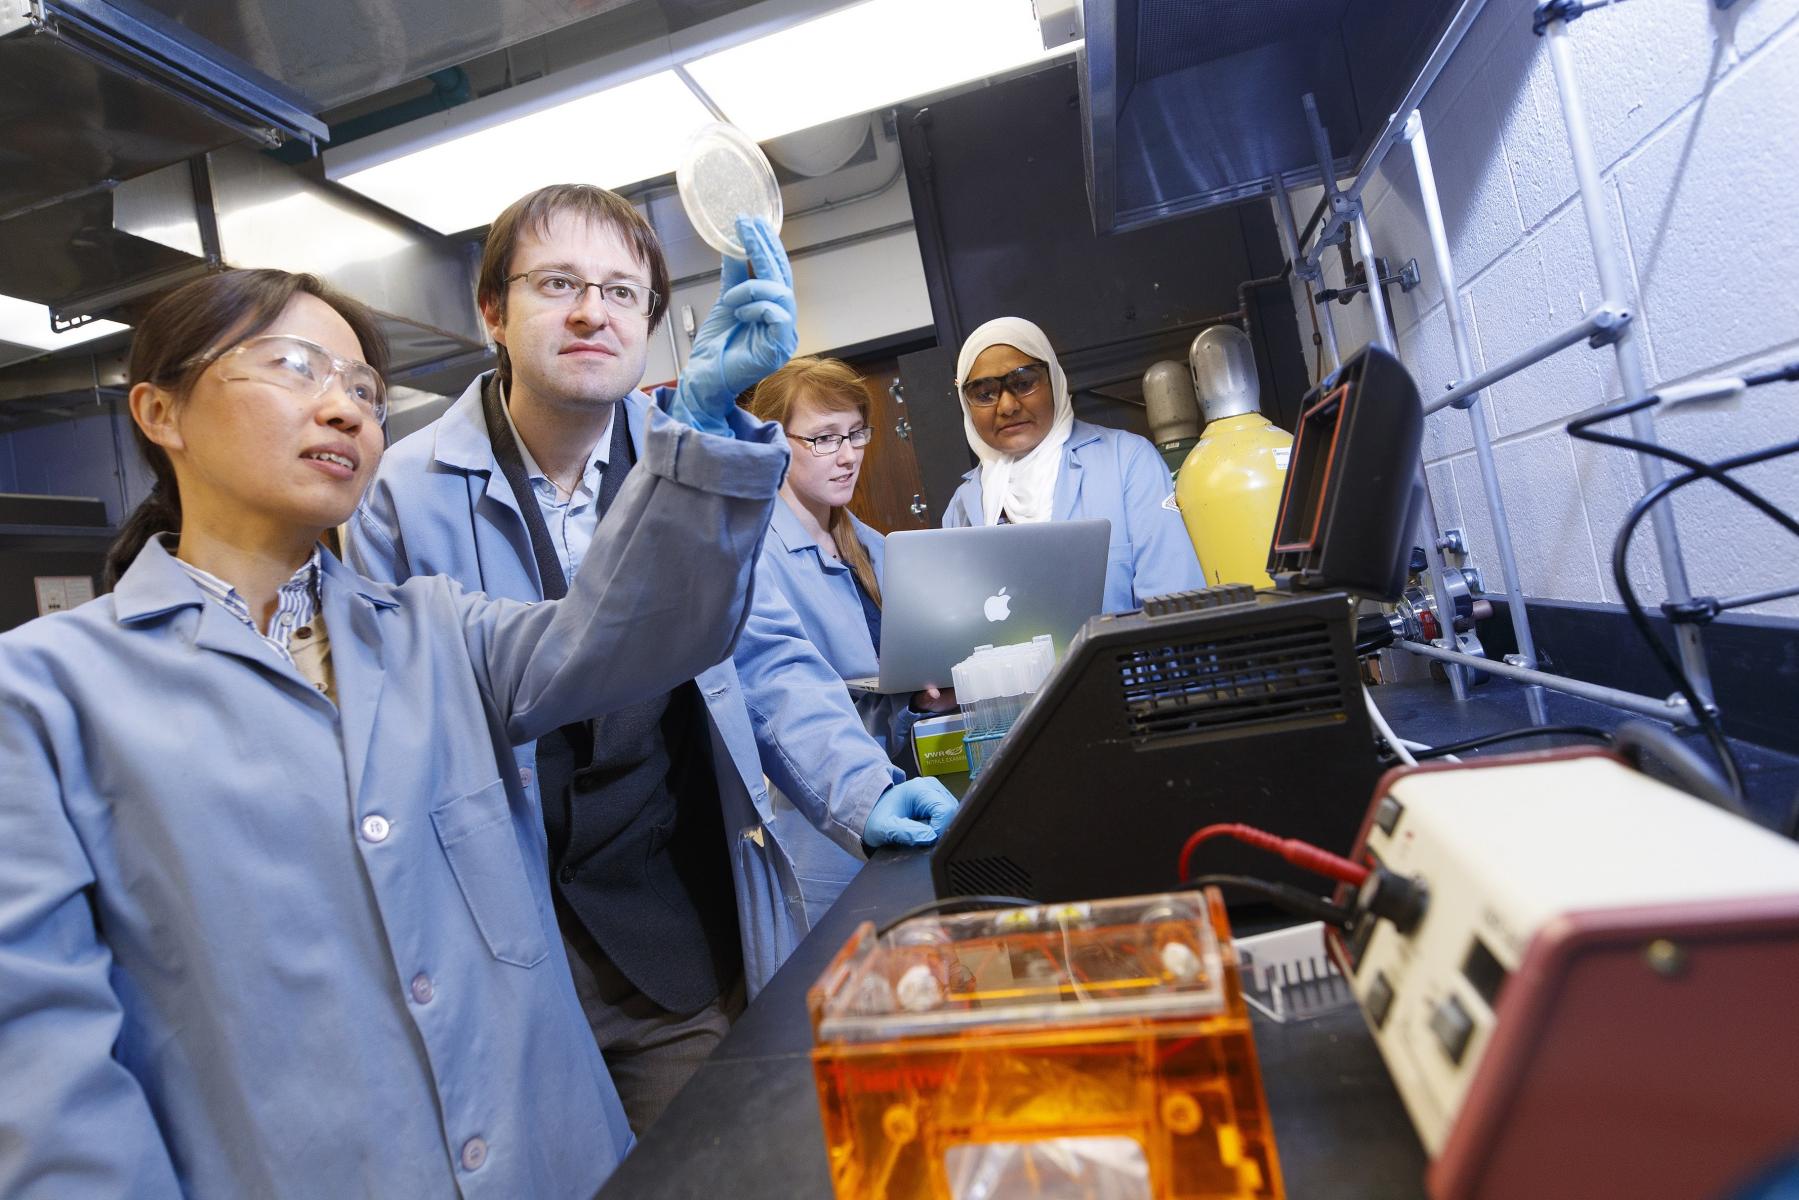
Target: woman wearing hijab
column 1038, row 463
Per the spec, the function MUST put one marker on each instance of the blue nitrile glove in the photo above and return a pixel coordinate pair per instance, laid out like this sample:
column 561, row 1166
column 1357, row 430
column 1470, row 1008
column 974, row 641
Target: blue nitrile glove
column 746, row 337
column 912, row 813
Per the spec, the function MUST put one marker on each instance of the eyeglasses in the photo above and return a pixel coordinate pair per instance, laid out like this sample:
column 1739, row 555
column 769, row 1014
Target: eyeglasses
column 566, row 291
column 827, row 443
column 302, row 367
column 1020, row 381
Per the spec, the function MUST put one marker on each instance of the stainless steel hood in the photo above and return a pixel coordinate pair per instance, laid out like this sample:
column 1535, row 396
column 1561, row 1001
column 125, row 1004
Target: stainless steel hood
column 91, row 93
column 336, row 51
column 108, row 254
column 1191, row 104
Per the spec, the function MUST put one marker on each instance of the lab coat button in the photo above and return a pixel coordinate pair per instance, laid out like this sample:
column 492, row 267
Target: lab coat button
column 375, row 827
column 422, row 990
column 474, row 1153
column 525, row 776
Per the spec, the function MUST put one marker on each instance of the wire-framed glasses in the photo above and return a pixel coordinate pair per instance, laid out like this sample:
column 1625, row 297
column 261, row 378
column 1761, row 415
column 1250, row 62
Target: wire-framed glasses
column 302, row 367
column 565, row 290
column 827, row 443
column 1020, row 381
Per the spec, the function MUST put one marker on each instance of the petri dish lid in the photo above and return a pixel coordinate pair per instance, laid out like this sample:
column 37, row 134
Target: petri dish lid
column 723, row 176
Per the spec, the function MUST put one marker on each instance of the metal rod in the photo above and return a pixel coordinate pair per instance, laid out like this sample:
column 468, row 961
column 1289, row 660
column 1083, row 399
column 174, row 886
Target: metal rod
column 1330, row 337
column 1600, row 320
column 1628, row 349
column 1321, row 149
column 1332, row 229
column 1674, row 711
column 1758, row 598
column 1431, row 529
column 1377, row 296
column 1295, row 241
column 1483, row 445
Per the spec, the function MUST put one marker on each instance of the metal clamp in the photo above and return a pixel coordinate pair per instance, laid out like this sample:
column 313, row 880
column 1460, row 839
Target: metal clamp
column 1609, row 324
column 1695, row 610
column 1407, row 279
column 1564, row 11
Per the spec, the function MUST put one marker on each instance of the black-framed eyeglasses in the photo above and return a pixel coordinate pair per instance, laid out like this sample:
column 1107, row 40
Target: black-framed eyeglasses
column 299, row 366
column 563, row 289
column 827, row 443
column 1020, row 381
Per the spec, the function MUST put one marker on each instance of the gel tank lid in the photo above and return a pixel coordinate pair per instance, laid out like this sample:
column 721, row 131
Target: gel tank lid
column 1135, row 958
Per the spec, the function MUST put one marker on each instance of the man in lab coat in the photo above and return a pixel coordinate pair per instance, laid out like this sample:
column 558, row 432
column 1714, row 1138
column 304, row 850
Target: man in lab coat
column 504, row 493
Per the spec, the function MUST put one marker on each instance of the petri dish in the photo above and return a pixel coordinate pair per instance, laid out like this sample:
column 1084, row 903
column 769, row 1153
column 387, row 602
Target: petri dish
column 723, row 176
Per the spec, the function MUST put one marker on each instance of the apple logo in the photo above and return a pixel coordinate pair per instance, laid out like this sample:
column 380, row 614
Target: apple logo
column 999, row 607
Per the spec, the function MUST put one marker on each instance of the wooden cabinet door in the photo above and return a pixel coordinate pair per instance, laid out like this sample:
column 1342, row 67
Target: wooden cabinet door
column 890, row 494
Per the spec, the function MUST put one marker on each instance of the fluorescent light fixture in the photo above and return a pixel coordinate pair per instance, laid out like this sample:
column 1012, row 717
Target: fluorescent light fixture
column 26, row 324
column 452, row 173
column 864, row 57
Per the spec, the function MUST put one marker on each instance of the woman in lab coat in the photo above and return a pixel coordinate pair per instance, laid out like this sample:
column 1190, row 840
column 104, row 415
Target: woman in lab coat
column 1038, row 463
column 826, row 561
column 274, row 918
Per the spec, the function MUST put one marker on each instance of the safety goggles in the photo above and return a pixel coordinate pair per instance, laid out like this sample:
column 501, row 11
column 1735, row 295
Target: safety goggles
column 302, row 367
column 1020, row 381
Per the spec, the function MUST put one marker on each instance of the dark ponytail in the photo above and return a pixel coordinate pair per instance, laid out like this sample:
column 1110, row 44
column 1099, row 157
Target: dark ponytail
column 175, row 343
column 160, row 512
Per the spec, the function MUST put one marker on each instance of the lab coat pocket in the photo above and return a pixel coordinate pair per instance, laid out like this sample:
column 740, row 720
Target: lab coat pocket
column 476, row 834
column 769, row 907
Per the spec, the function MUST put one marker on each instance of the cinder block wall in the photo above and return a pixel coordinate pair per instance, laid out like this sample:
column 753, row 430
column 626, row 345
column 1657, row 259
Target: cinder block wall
column 1695, row 114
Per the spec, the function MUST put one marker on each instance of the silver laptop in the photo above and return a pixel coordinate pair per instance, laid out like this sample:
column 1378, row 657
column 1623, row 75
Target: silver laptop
column 946, row 591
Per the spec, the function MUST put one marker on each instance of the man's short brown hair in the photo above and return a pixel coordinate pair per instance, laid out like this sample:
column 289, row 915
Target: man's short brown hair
column 533, row 213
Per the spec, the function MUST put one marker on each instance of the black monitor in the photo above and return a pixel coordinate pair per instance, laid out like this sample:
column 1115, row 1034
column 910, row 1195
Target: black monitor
column 1226, row 704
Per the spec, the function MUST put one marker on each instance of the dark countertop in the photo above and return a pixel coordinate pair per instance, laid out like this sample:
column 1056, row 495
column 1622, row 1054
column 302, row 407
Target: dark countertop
column 747, row 1126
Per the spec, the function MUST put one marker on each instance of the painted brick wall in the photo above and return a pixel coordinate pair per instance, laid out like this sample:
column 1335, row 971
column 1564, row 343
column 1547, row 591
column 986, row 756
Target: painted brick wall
column 1695, row 115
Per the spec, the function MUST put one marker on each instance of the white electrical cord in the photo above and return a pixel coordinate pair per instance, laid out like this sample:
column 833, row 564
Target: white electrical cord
column 1400, row 746
column 1417, row 746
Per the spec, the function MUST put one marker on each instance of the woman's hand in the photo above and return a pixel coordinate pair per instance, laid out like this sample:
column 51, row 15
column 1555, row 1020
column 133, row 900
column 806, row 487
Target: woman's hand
column 933, row 700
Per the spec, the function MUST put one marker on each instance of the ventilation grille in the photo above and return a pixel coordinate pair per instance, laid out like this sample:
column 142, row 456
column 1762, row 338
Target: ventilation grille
column 1217, row 686
column 990, row 877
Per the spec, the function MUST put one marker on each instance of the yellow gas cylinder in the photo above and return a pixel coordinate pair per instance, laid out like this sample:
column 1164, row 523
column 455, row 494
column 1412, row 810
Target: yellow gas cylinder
column 1229, row 488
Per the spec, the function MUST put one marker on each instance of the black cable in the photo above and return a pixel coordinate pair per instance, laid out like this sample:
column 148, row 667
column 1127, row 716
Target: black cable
column 1638, row 740
column 1512, row 735
column 1285, row 895
column 1582, row 428
column 947, row 903
column 1634, row 607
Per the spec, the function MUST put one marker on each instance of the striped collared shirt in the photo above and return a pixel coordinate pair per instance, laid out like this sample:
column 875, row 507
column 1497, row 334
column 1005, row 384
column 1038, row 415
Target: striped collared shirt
column 295, row 603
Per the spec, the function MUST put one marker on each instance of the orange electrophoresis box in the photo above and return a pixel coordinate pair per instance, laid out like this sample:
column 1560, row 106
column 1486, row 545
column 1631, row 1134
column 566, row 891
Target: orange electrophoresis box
column 1099, row 1051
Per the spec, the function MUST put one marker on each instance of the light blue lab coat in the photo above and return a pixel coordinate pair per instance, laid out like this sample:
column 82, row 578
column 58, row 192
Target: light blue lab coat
column 824, row 595
column 440, row 505
column 1119, row 476
column 255, row 943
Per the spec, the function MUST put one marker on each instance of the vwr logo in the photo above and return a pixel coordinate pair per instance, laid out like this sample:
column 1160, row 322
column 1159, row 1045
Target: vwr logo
column 998, row 607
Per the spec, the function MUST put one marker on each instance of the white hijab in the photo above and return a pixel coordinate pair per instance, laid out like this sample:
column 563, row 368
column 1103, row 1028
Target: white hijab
column 1021, row 486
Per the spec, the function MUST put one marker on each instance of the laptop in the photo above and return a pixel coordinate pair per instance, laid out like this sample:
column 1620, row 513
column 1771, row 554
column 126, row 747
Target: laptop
column 946, row 591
